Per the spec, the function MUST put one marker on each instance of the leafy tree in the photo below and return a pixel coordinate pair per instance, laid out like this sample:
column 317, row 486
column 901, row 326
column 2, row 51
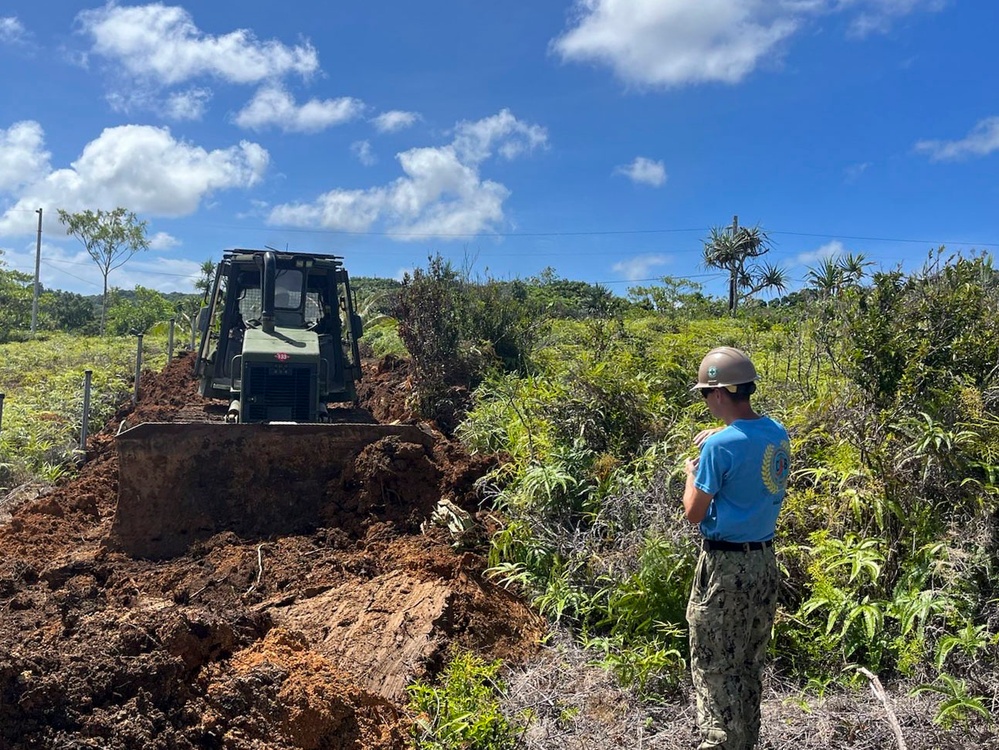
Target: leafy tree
column 15, row 300
column 456, row 331
column 555, row 297
column 139, row 312
column 203, row 284
column 735, row 251
column 110, row 238
column 67, row 311
column 673, row 297
column 922, row 336
column 432, row 314
column 375, row 296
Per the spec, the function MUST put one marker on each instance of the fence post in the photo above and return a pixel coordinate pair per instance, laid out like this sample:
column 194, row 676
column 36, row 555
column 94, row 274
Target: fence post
column 138, row 369
column 87, row 374
column 173, row 322
column 1, row 410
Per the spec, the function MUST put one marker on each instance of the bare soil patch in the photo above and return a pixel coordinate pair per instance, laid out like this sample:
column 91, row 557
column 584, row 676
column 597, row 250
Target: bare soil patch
column 302, row 640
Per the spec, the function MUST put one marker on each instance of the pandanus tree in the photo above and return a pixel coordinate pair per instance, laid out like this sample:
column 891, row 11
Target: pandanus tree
column 834, row 274
column 736, row 250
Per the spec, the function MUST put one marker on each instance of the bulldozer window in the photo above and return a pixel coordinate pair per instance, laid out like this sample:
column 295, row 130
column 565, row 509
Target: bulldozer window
column 288, row 290
column 313, row 307
column 250, row 304
column 249, row 300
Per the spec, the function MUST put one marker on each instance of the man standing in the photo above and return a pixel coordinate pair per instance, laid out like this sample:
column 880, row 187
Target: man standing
column 734, row 490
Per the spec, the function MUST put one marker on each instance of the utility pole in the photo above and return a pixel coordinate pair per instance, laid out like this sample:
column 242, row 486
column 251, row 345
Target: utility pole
column 732, row 281
column 38, row 263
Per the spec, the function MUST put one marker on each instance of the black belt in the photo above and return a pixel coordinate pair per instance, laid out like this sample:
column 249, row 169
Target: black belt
column 711, row 545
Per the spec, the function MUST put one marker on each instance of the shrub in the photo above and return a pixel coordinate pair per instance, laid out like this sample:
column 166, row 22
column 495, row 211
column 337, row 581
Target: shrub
column 462, row 712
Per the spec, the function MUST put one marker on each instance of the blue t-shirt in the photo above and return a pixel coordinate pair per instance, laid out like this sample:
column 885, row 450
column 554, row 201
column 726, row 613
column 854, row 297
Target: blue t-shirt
column 744, row 467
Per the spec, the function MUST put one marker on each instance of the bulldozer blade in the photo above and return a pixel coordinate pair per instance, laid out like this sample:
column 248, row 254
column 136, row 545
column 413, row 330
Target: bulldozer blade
column 180, row 482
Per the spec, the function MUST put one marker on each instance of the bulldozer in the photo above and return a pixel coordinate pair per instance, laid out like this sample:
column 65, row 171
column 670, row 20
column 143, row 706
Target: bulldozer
column 278, row 346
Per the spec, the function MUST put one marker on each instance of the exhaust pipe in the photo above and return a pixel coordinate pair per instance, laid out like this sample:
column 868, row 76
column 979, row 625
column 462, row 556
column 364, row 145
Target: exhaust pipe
column 267, row 280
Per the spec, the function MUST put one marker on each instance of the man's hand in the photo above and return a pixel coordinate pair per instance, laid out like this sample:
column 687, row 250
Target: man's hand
column 695, row 501
column 703, row 435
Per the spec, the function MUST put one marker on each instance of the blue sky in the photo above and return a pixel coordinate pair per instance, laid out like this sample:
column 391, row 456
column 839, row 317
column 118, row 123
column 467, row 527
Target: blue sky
column 601, row 138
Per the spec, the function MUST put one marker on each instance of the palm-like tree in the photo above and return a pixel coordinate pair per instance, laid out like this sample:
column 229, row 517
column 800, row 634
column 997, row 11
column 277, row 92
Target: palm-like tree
column 734, row 250
column 834, row 274
column 854, row 268
column 827, row 278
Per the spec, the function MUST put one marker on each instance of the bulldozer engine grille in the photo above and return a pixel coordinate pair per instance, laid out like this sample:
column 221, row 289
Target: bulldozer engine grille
column 279, row 393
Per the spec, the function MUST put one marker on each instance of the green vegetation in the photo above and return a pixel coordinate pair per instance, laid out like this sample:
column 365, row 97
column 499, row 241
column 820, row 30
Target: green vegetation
column 889, row 386
column 43, row 405
column 462, row 711
column 888, row 383
column 15, row 301
column 110, row 239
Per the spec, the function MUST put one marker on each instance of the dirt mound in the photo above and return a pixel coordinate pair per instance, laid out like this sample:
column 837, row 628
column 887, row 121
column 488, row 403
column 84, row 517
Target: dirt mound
column 386, row 390
column 304, row 640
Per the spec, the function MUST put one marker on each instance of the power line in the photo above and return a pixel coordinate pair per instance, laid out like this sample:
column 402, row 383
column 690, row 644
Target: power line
column 660, row 278
column 886, row 239
column 67, row 273
column 579, row 233
column 444, row 235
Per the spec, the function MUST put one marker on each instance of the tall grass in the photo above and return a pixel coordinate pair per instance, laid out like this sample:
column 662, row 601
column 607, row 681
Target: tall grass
column 42, row 381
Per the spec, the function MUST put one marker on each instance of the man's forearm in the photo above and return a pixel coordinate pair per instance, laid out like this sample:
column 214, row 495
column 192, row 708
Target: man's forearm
column 695, row 501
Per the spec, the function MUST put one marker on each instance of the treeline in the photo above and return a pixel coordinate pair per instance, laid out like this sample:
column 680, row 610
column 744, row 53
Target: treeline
column 137, row 310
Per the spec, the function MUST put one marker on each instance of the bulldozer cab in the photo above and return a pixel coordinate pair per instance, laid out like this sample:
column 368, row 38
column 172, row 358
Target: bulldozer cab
column 279, row 342
column 279, row 336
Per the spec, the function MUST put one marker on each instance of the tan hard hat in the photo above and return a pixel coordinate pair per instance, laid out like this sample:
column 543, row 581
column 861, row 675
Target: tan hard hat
column 724, row 366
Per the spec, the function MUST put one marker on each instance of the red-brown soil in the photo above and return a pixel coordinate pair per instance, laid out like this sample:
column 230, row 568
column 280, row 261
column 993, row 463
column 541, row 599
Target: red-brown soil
column 295, row 641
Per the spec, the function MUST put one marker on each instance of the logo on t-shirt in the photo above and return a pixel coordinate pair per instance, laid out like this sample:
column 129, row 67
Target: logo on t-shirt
column 776, row 465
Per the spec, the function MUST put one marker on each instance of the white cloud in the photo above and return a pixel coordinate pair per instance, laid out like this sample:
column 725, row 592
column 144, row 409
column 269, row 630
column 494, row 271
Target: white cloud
column 273, row 106
column 475, row 141
column 854, row 171
column 142, row 168
column 668, row 43
column 162, row 44
column 644, row 171
column 981, row 141
column 640, row 266
column 362, row 150
column 187, row 105
column 673, row 43
column 12, row 31
column 832, row 249
column 390, row 122
column 878, row 16
column 441, row 192
column 162, row 241
column 23, row 158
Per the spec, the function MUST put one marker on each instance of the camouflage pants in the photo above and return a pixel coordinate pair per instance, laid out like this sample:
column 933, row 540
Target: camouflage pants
column 730, row 614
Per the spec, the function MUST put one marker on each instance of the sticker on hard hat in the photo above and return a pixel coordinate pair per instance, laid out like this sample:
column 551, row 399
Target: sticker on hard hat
column 712, row 372
column 282, row 356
